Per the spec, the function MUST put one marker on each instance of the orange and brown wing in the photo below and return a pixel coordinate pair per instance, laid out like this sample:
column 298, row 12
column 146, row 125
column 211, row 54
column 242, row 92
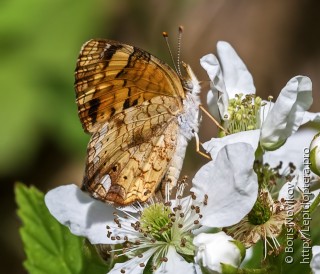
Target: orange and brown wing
column 111, row 77
column 128, row 157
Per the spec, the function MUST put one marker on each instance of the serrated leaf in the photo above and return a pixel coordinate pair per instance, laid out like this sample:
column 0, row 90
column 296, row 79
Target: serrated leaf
column 49, row 246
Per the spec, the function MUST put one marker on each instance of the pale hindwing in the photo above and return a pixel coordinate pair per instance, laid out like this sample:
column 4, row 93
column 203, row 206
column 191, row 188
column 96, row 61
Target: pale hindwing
column 128, row 157
column 111, row 77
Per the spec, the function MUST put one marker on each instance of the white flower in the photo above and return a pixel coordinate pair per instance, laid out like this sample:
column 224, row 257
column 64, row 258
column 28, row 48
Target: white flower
column 315, row 262
column 163, row 232
column 228, row 185
column 279, row 120
column 158, row 230
column 214, row 249
column 315, row 154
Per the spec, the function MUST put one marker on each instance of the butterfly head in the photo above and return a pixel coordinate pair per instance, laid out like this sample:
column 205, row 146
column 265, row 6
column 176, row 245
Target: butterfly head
column 189, row 82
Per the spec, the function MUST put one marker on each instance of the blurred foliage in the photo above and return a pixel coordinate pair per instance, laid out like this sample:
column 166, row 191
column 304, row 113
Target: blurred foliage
column 40, row 41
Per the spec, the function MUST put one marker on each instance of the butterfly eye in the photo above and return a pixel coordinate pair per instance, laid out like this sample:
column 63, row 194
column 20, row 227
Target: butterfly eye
column 187, row 85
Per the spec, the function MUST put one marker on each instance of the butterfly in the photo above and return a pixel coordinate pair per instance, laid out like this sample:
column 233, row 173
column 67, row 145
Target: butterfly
column 140, row 114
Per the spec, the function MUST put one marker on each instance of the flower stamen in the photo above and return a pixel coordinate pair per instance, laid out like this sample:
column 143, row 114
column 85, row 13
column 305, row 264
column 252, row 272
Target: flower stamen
column 244, row 113
column 157, row 226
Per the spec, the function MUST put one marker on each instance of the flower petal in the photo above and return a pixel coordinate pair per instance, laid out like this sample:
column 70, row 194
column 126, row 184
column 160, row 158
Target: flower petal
column 216, row 248
column 211, row 65
column 293, row 151
column 135, row 265
column 237, row 78
column 287, row 114
column 217, row 96
column 214, row 106
column 175, row 263
column 315, row 262
column 83, row 215
column 215, row 144
column 311, row 117
column 230, row 183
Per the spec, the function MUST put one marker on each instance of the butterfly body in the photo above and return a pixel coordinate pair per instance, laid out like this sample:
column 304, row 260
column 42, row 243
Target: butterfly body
column 140, row 116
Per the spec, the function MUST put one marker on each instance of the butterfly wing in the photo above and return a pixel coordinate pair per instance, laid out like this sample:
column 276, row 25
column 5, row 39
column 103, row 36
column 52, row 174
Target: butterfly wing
column 128, row 100
column 111, row 77
column 128, row 157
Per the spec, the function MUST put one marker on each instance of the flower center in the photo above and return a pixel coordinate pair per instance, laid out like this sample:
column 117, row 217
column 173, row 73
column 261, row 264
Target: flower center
column 260, row 213
column 155, row 221
column 244, row 113
column 155, row 228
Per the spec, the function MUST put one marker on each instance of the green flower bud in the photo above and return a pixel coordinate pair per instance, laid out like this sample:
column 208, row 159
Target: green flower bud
column 315, row 154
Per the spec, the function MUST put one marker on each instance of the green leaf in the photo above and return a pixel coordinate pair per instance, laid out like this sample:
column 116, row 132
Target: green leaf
column 49, row 246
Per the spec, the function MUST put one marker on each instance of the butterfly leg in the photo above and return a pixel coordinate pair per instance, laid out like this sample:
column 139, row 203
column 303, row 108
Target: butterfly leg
column 196, row 136
column 212, row 119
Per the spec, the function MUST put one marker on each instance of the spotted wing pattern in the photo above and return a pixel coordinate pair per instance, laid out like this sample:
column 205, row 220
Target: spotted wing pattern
column 111, row 77
column 129, row 156
column 129, row 101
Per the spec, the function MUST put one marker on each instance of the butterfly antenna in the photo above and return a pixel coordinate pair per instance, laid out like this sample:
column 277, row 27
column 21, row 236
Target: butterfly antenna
column 179, row 49
column 165, row 36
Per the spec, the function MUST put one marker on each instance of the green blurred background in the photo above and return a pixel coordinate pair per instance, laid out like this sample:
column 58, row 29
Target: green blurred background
column 41, row 139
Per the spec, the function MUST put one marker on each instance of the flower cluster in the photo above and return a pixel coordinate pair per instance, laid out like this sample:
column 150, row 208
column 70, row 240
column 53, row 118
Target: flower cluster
column 162, row 234
column 243, row 195
column 273, row 130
